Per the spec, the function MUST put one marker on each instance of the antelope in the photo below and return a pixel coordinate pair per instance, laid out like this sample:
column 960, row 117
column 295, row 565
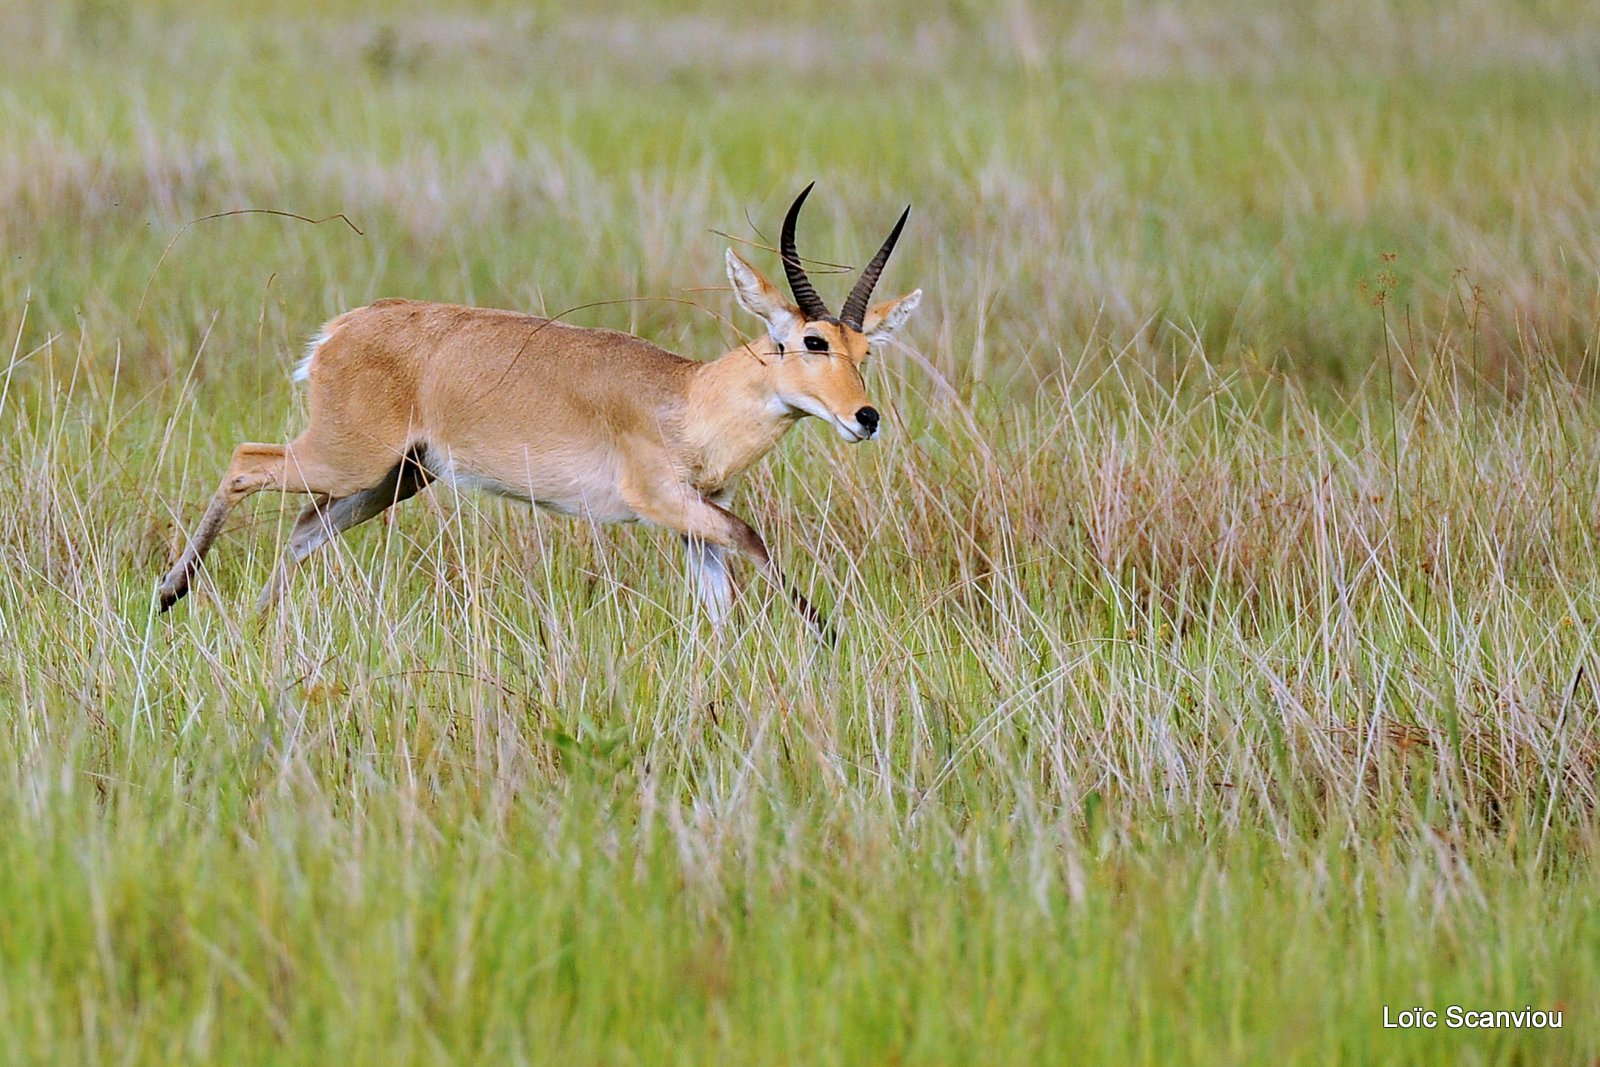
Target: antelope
column 581, row 421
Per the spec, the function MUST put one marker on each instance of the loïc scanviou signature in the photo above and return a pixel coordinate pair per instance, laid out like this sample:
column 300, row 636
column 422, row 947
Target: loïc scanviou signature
column 1455, row 1017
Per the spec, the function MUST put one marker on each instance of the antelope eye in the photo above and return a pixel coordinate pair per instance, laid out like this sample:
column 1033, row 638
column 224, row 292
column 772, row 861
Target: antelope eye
column 816, row 344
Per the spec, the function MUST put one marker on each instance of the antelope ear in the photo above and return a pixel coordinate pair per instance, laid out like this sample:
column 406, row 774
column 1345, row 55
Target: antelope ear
column 885, row 318
column 761, row 298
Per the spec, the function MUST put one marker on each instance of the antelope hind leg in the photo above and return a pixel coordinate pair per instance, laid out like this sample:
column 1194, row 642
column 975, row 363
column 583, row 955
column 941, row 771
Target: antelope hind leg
column 323, row 520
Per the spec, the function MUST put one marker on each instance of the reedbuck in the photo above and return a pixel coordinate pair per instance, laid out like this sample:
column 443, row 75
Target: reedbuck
column 586, row 422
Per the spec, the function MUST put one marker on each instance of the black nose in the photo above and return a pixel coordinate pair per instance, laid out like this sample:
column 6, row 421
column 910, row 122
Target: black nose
column 868, row 417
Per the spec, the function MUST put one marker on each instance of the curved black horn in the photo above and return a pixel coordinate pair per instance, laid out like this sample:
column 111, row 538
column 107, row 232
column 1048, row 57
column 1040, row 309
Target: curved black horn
column 805, row 297
column 855, row 305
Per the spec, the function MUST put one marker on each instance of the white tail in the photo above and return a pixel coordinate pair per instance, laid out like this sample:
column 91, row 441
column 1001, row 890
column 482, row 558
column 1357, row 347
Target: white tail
column 582, row 421
column 302, row 370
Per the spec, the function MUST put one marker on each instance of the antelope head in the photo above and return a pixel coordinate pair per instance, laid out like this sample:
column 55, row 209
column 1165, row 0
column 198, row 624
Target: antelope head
column 815, row 361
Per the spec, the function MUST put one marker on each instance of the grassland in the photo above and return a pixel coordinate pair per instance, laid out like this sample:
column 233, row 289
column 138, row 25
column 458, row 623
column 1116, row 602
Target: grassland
column 1219, row 609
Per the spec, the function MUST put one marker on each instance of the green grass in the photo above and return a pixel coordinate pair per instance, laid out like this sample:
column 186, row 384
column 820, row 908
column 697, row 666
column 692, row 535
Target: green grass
column 1219, row 661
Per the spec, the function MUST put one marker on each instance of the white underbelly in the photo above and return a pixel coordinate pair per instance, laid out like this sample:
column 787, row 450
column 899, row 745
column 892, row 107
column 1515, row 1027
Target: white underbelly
column 588, row 493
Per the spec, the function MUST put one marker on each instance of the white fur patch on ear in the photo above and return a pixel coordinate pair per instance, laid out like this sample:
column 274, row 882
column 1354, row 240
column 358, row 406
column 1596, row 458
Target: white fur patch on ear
column 889, row 316
column 745, row 281
column 761, row 298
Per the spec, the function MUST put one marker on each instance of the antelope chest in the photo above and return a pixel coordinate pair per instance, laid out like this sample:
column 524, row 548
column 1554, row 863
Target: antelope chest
column 720, row 463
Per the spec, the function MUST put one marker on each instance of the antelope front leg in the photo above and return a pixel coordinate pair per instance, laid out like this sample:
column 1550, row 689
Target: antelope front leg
column 749, row 543
column 708, row 564
column 698, row 519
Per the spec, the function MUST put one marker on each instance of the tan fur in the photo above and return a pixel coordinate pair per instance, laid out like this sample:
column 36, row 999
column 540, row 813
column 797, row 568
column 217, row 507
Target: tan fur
column 583, row 421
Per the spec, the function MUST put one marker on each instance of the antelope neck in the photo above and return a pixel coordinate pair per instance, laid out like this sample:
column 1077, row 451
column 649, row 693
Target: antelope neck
column 733, row 416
